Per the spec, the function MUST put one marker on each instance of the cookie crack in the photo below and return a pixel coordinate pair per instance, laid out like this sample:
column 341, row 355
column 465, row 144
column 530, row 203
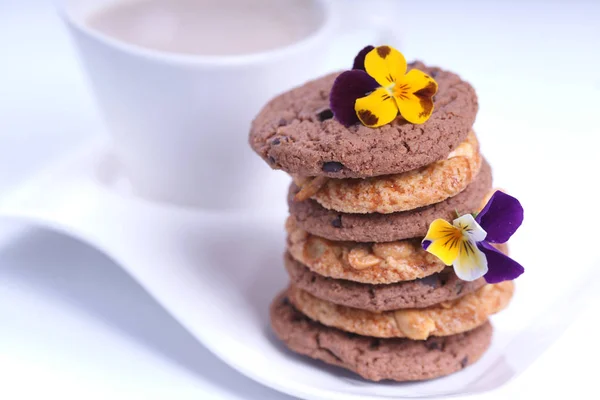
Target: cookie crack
column 326, row 350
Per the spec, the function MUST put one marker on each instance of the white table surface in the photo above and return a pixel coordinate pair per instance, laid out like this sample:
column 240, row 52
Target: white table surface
column 73, row 323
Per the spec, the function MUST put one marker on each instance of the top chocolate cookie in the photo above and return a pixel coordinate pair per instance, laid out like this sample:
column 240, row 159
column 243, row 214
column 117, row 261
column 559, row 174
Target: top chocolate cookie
column 296, row 132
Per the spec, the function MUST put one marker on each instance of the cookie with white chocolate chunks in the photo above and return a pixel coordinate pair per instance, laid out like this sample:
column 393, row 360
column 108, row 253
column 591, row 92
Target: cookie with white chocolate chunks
column 421, row 187
column 444, row 319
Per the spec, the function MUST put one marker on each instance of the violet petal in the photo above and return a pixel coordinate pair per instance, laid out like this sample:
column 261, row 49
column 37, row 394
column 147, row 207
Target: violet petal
column 359, row 60
column 500, row 266
column 348, row 87
column 425, row 244
column 500, row 217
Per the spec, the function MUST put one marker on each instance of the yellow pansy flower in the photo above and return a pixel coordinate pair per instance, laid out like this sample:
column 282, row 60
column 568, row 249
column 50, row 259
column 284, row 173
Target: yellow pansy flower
column 378, row 88
column 410, row 93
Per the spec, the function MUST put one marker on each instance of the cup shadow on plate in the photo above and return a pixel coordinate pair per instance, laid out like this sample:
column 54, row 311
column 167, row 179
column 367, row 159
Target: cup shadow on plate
column 248, row 261
column 85, row 278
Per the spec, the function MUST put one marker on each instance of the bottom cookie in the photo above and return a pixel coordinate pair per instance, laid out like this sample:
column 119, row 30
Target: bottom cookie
column 377, row 359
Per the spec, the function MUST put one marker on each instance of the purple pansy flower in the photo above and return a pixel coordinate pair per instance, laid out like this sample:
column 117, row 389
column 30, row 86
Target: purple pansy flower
column 359, row 60
column 348, row 87
column 467, row 242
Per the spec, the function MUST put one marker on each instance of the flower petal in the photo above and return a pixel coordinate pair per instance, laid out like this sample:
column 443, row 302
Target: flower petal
column 501, row 217
column 468, row 224
column 359, row 60
column 500, row 266
column 376, row 109
column 471, row 262
column 414, row 95
column 443, row 241
column 439, row 229
column 386, row 64
column 348, row 87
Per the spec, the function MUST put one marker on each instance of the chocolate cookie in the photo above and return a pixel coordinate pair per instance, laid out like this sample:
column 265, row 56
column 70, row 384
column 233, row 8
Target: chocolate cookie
column 419, row 293
column 296, row 132
column 314, row 218
column 378, row 359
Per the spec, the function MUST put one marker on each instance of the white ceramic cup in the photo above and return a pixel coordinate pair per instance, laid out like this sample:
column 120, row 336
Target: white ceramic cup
column 180, row 122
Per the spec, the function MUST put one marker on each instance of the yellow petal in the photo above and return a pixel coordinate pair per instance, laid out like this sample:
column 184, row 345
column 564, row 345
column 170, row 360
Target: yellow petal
column 385, row 64
column 445, row 241
column 376, row 109
column 414, row 95
column 471, row 262
column 439, row 229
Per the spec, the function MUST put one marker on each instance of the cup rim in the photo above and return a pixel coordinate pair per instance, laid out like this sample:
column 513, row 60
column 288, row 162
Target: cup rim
column 207, row 60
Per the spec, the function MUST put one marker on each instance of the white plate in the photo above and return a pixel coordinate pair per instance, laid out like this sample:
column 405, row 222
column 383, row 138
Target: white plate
column 218, row 272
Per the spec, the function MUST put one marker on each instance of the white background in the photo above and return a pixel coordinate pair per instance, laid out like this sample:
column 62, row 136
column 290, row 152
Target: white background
column 72, row 323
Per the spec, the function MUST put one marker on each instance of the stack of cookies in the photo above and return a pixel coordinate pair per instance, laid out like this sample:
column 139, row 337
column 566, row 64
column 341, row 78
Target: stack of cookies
column 364, row 295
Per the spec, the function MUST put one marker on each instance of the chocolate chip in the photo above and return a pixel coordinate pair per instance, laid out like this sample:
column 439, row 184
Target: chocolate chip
column 432, row 281
column 285, row 301
column 444, row 276
column 432, row 345
column 332, row 166
column 371, row 293
column 276, row 141
column 282, row 122
column 464, row 362
column 375, row 343
column 325, row 114
column 459, row 287
column 434, row 73
column 337, row 222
